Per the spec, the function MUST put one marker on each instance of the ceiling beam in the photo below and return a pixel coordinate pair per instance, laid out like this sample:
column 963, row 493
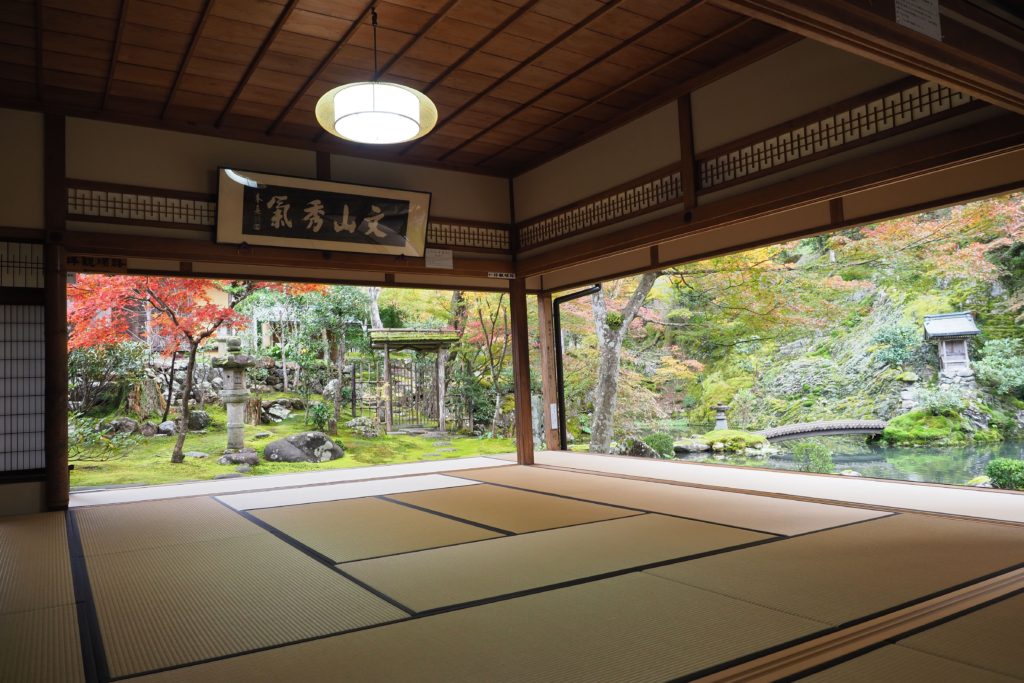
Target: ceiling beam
column 39, row 49
column 196, row 34
column 636, row 78
column 964, row 59
column 685, row 7
column 115, row 54
column 324, row 63
column 612, row 4
column 257, row 59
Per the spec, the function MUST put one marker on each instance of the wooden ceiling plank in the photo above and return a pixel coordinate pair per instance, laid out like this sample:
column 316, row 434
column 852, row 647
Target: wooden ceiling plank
column 638, row 77
column 39, row 50
column 255, row 63
column 196, row 34
column 323, row 66
column 539, row 53
column 552, row 89
column 115, row 55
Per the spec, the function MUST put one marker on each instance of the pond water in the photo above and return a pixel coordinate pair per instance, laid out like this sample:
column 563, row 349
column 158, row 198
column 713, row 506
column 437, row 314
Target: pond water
column 937, row 465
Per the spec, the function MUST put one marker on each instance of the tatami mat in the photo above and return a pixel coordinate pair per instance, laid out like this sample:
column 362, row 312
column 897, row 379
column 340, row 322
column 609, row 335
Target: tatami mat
column 136, row 526
column 319, row 494
column 764, row 513
column 844, row 574
column 990, row 638
column 348, row 530
column 896, row 664
column 464, row 573
column 41, row 646
column 176, row 604
column 35, row 565
column 510, row 509
column 628, row 629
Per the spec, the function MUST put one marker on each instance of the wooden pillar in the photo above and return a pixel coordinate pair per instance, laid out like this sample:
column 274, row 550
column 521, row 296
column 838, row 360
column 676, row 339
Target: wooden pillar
column 521, row 371
column 548, row 373
column 55, row 317
column 442, row 359
column 687, row 157
column 388, row 415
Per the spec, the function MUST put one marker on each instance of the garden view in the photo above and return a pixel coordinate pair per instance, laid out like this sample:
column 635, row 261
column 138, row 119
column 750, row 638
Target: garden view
column 823, row 329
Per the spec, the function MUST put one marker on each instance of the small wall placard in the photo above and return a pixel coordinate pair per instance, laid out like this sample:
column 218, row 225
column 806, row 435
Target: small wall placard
column 282, row 211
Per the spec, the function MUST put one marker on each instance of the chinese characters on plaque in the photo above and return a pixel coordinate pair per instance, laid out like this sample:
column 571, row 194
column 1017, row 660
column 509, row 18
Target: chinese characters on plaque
column 259, row 208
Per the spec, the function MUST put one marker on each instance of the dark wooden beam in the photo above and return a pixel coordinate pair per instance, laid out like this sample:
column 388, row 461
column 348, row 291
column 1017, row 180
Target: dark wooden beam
column 323, row 165
column 324, row 63
column 913, row 159
column 521, row 370
column 631, row 81
column 257, row 59
column 687, row 155
column 685, row 7
column 964, row 59
column 183, row 67
column 115, row 53
column 39, row 49
column 55, row 318
column 548, row 374
column 537, row 54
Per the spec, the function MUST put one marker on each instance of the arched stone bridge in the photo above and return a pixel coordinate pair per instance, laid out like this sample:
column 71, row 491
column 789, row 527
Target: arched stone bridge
column 800, row 430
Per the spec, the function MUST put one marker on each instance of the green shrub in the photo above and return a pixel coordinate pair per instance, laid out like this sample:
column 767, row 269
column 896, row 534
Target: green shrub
column 1006, row 473
column 660, row 442
column 812, row 456
column 1002, row 366
column 896, row 344
column 319, row 414
column 949, row 402
column 920, row 427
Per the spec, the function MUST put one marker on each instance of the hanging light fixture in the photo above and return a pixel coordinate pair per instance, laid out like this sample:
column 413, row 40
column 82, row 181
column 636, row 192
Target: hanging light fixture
column 374, row 112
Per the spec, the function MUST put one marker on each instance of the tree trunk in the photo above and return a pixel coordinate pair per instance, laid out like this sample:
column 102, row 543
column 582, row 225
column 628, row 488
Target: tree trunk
column 186, row 398
column 609, row 345
column 375, row 321
column 341, row 377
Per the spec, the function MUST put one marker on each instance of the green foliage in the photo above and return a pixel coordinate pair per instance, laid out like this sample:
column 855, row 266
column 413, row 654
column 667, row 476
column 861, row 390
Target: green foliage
column 88, row 441
column 318, row 414
column 99, row 376
column 1002, row 366
column 942, row 401
column 613, row 319
column 734, row 440
column 813, row 456
column 1006, row 473
column 896, row 344
column 660, row 442
column 920, row 426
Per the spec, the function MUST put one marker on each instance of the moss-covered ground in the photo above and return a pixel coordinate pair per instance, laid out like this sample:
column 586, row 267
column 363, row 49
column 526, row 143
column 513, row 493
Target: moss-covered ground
column 148, row 460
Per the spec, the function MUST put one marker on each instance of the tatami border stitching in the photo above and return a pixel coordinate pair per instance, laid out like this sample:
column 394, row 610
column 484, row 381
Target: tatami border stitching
column 94, row 656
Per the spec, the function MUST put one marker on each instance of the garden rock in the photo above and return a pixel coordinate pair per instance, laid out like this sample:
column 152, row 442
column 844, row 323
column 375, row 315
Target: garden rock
column 851, row 473
column 304, row 447
column 243, row 469
column 167, row 428
column 198, row 419
column 364, row 427
column 247, row 456
column 692, row 446
column 262, row 435
column 148, row 429
column 637, row 448
column 122, row 425
column 278, row 413
column 197, row 454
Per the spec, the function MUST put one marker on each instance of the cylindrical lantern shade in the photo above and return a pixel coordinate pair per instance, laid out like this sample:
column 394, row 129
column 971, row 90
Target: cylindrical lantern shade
column 376, row 113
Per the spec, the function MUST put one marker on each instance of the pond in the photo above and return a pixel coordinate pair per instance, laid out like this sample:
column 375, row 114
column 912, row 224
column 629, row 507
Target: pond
column 938, row 465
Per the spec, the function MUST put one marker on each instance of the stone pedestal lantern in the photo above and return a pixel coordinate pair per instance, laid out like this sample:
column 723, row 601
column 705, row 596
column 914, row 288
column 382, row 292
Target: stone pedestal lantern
column 234, row 394
column 720, row 420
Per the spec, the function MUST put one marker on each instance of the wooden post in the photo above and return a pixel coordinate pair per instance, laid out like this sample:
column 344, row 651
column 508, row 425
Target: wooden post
column 548, row 375
column 388, row 415
column 687, row 157
column 55, row 315
column 521, row 371
column 442, row 359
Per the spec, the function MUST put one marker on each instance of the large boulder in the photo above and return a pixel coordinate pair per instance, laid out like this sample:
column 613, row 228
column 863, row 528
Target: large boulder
column 168, row 428
column 246, row 456
column 148, row 429
column 365, row 427
column 304, row 447
column 198, row 419
column 121, row 425
column 637, row 447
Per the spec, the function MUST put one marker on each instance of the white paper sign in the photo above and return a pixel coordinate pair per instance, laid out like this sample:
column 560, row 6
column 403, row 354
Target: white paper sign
column 554, row 415
column 438, row 258
column 921, row 16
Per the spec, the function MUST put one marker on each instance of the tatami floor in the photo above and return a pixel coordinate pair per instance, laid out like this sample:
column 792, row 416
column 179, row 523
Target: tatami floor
column 484, row 571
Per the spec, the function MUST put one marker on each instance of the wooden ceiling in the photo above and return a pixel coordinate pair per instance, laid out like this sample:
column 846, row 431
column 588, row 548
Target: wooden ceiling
column 515, row 81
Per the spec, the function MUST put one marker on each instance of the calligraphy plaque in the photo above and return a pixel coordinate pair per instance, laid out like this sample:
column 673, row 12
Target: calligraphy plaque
column 282, row 211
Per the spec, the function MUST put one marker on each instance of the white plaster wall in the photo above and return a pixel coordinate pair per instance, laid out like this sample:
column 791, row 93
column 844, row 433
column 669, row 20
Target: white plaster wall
column 21, row 173
column 641, row 146
column 791, row 82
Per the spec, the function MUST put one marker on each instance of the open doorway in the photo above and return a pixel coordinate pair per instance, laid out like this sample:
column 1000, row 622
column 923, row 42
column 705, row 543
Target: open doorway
column 177, row 379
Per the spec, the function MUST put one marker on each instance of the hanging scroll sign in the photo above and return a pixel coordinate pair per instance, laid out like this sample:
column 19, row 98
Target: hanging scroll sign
column 281, row 211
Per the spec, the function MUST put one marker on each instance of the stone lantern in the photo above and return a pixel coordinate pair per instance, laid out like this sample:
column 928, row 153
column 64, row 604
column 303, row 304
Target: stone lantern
column 234, row 395
column 720, row 420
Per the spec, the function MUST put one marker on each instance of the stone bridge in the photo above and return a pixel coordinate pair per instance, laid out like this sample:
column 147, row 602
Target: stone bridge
column 800, row 430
